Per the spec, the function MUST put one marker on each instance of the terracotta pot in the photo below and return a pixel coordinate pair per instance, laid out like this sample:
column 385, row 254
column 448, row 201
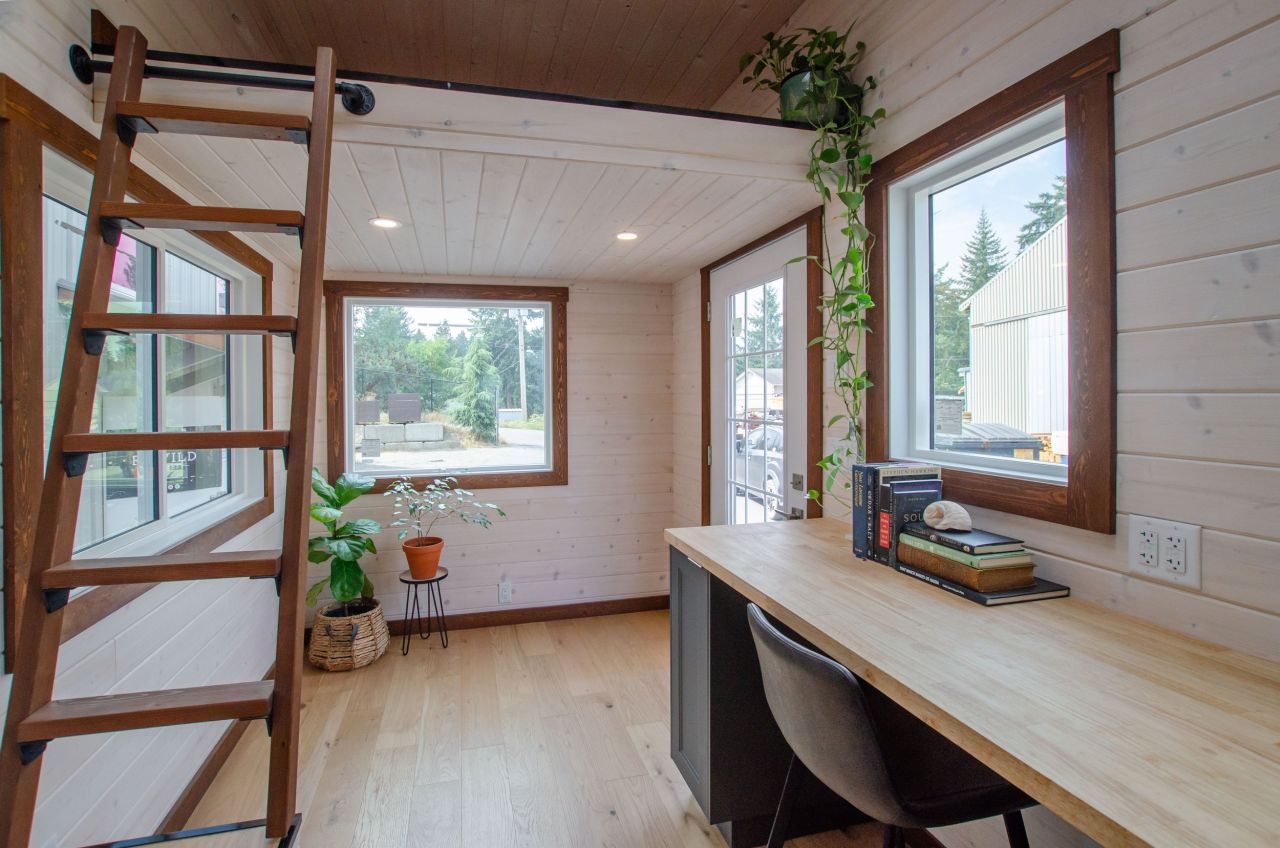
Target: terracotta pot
column 423, row 554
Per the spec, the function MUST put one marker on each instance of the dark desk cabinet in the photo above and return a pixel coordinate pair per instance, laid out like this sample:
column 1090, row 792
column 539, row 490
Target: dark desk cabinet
column 723, row 737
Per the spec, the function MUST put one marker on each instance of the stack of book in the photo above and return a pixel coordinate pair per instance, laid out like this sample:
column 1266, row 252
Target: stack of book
column 984, row 567
column 889, row 499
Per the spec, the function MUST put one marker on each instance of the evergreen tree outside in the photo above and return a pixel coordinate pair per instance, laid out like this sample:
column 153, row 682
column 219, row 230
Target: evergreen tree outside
column 475, row 406
column 1049, row 208
column 763, row 329
column 984, row 255
column 983, row 258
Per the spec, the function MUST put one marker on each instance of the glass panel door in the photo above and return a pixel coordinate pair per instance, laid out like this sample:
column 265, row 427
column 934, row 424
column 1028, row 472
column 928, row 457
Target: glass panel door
column 758, row 401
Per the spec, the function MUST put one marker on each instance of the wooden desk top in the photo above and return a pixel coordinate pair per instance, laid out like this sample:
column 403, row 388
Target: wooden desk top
column 1135, row 734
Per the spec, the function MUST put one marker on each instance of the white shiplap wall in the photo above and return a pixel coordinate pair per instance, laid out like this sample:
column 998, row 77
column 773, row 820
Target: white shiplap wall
column 1198, row 191
column 600, row 537
column 95, row 788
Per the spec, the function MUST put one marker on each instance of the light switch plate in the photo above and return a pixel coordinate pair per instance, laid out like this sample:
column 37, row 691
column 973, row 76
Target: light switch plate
column 1165, row 550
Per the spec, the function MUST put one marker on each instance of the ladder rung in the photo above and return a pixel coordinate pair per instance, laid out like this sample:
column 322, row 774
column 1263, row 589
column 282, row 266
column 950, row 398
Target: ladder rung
column 181, row 216
column 229, row 123
column 81, row 443
column 135, row 710
column 160, row 569
column 170, row 323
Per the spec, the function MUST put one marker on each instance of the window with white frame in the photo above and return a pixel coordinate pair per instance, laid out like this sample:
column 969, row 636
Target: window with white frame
column 138, row 501
column 977, row 253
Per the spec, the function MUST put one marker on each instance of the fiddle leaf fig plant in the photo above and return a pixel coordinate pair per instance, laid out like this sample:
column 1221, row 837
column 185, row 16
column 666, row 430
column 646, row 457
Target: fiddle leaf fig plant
column 831, row 102
column 342, row 544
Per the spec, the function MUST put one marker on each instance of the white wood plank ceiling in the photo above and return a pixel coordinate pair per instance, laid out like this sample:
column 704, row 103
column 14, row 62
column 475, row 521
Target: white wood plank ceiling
column 472, row 202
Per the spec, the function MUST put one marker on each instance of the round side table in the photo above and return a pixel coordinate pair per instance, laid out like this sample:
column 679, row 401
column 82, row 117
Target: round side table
column 434, row 598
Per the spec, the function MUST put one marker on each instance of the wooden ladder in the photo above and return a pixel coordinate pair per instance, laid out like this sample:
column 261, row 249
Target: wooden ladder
column 34, row 718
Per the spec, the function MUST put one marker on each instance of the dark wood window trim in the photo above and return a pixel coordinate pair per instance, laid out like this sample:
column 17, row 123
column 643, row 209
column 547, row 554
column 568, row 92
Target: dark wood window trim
column 1082, row 80
column 812, row 221
column 335, row 294
column 27, row 125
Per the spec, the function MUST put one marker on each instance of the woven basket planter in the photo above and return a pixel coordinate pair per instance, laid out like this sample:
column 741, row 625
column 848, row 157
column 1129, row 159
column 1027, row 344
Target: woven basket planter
column 348, row 636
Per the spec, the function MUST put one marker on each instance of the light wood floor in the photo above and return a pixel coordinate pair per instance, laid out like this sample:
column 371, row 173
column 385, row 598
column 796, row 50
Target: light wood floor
column 552, row 735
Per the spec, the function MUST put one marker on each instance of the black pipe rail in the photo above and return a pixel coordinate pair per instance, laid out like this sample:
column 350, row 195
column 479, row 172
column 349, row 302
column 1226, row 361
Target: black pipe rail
column 84, row 61
column 356, row 99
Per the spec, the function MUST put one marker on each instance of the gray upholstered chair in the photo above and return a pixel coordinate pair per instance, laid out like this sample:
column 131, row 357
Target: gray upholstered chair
column 870, row 751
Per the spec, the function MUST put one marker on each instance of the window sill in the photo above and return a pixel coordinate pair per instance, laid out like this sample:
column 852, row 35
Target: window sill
column 498, row 480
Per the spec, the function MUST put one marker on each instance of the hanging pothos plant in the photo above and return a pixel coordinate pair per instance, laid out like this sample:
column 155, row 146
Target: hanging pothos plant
column 815, row 75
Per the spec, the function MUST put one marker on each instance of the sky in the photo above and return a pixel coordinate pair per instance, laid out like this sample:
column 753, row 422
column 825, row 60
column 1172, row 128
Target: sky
column 1003, row 192
column 428, row 318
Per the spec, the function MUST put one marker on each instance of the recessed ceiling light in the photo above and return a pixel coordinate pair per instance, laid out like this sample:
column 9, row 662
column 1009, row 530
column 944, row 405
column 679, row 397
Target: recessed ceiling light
column 627, row 236
column 385, row 223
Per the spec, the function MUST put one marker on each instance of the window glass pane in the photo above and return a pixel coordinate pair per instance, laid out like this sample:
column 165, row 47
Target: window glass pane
column 998, row 283
column 118, row 492
column 441, row 387
column 194, row 383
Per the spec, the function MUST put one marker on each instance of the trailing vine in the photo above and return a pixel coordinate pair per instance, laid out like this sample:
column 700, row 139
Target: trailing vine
column 815, row 75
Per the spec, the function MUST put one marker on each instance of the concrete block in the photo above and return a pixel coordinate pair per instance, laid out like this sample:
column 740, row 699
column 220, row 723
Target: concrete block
column 384, row 432
column 428, row 432
column 358, row 435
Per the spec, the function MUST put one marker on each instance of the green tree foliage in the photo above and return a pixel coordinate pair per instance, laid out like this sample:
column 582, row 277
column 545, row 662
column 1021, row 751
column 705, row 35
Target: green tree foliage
column 950, row 333
column 1049, row 208
column 984, row 255
column 431, row 359
column 475, row 406
column 499, row 331
column 763, row 329
column 983, row 258
column 384, row 364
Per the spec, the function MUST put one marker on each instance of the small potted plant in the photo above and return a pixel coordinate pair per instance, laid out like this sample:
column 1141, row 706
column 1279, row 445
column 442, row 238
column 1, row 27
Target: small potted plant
column 352, row 631
column 418, row 509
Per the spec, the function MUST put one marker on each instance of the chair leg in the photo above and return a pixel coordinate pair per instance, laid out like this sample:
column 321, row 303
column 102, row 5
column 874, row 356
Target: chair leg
column 1017, row 830
column 894, row 836
column 790, row 788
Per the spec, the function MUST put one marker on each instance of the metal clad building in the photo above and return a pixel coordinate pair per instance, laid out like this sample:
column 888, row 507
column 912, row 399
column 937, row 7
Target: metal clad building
column 1018, row 340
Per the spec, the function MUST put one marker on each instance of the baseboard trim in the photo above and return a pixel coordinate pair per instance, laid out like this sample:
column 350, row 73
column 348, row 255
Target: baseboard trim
column 183, row 808
column 559, row 612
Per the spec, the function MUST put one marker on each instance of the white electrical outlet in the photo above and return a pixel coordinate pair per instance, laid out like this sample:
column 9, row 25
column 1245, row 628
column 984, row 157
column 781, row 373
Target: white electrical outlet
column 504, row 592
column 1165, row 550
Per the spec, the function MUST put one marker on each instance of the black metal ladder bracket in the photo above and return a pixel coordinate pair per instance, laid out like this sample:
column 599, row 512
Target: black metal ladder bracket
column 111, row 229
column 96, row 340
column 75, row 463
column 29, row 752
column 56, row 599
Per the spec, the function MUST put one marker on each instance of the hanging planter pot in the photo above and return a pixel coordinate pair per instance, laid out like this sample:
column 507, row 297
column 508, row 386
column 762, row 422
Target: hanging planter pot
column 799, row 99
column 347, row 636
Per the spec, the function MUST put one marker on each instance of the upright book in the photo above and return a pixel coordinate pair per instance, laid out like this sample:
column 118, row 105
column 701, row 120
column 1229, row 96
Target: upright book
column 901, row 501
column 867, row 479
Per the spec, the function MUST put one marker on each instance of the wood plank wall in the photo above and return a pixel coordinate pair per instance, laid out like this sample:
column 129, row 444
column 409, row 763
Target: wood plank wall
column 600, row 537
column 1198, row 194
